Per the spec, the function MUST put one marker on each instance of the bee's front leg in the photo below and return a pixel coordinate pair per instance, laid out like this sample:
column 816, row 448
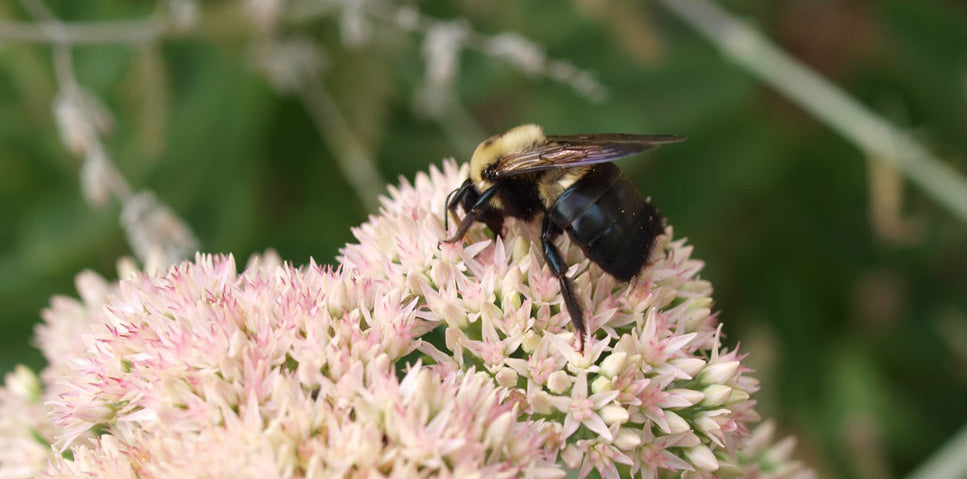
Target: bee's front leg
column 477, row 212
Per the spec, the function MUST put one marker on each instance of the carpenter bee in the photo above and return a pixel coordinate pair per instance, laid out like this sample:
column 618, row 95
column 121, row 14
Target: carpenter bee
column 569, row 182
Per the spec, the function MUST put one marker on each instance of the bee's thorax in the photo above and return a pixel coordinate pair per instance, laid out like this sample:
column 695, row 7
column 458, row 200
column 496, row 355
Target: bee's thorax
column 488, row 153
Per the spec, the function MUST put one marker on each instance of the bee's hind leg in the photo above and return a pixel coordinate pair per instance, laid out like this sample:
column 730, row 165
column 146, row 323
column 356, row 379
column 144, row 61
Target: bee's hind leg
column 552, row 255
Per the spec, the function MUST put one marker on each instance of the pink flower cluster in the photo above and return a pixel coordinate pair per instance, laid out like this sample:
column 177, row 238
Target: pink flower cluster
column 411, row 359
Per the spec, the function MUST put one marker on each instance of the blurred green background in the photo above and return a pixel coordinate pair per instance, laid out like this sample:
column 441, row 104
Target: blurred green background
column 850, row 299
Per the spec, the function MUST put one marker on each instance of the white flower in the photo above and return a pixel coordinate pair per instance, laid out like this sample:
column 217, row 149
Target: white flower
column 411, row 359
column 582, row 409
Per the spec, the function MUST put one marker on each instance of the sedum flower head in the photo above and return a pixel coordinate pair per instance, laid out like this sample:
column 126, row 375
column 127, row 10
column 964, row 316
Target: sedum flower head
column 412, row 358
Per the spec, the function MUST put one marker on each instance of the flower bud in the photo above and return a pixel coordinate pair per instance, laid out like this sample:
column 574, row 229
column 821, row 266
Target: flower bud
column 697, row 303
column 702, row 458
column 540, row 402
column 558, row 382
column 614, row 414
column 510, row 301
column 688, row 439
column 613, row 364
column 737, row 396
column 499, row 428
column 680, row 398
column 694, row 318
column 627, row 439
column 506, row 377
column 664, row 296
column 551, row 471
column 127, row 269
column 572, row 457
column 716, row 395
column 489, row 312
column 521, row 249
column 690, row 366
column 676, row 423
column 601, row 384
column 719, row 373
column 337, row 298
column 510, row 283
column 23, row 383
column 530, row 342
column 707, row 425
column 579, row 361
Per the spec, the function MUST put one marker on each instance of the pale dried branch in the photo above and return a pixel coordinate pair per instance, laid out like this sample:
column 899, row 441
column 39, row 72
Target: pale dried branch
column 874, row 135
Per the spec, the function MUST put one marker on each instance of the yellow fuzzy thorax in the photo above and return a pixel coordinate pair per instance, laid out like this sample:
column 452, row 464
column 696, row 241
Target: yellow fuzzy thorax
column 518, row 139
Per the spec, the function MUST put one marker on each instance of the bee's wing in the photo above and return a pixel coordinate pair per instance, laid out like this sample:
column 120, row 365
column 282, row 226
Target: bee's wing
column 578, row 150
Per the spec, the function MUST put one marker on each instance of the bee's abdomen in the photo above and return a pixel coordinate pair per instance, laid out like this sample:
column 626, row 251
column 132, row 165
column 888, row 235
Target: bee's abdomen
column 606, row 216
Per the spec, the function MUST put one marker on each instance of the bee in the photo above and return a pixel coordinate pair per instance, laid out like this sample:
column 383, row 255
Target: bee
column 571, row 184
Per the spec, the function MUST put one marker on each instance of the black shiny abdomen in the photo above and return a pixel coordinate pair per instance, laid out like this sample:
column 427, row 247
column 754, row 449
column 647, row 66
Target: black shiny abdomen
column 605, row 215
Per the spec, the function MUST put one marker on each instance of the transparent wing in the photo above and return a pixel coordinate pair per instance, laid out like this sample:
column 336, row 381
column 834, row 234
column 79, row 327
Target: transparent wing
column 569, row 151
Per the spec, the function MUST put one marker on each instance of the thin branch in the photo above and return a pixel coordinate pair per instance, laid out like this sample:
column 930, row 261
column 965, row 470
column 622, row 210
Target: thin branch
column 948, row 462
column 156, row 235
column 876, row 136
column 76, row 33
column 354, row 159
column 511, row 48
column 38, row 9
column 49, row 27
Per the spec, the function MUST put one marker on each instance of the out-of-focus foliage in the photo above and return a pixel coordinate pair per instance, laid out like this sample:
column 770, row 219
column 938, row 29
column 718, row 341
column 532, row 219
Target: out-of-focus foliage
column 854, row 311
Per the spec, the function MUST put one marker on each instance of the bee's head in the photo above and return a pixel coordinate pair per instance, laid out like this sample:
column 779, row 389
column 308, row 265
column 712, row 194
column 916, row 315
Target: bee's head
column 488, row 153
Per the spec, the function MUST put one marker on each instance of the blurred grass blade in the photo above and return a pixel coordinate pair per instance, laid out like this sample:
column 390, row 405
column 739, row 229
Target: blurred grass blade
column 947, row 463
column 825, row 101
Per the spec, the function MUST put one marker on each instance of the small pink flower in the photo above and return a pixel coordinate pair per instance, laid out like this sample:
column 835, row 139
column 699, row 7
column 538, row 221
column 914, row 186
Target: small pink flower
column 583, row 409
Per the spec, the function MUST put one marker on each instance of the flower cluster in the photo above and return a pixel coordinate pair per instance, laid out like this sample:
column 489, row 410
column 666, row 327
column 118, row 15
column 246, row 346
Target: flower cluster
column 654, row 393
column 412, row 358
